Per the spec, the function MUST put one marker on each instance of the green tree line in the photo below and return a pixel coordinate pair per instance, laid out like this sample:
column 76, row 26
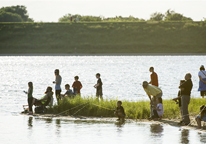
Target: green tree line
column 169, row 15
column 14, row 14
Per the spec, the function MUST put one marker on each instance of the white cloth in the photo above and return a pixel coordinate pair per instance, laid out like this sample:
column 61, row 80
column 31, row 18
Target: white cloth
column 201, row 74
column 160, row 106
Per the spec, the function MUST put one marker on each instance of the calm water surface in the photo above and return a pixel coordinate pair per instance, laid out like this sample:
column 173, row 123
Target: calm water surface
column 122, row 77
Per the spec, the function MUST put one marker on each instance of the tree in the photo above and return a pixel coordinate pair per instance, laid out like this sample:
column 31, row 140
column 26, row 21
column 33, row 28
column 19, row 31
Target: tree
column 157, row 16
column 20, row 10
column 173, row 16
column 9, row 17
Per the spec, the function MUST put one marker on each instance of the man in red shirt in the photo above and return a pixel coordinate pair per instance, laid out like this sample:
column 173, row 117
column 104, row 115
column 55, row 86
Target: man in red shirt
column 154, row 77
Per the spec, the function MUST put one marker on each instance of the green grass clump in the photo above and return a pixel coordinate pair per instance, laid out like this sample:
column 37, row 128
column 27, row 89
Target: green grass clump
column 134, row 110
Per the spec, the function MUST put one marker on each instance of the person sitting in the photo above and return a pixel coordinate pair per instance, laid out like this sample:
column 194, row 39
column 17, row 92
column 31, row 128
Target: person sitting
column 45, row 100
column 201, row 117
column 158, row 111
column 68, row 93
column 119, row 112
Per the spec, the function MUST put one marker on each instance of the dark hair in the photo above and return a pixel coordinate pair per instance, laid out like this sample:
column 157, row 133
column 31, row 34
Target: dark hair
column 160, row 99
column 189, row 75
column 120, row 102
column 67, row 85
column 145, row 84
column 76, row 77
column 48, row 89
column 98, row 74
column 56, row 71
column 30, row 84
column 202, row 68
column 151, row 68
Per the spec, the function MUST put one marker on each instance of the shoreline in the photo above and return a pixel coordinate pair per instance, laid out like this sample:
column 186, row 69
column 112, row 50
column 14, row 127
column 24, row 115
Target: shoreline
column 103, row 54
column 165, row 121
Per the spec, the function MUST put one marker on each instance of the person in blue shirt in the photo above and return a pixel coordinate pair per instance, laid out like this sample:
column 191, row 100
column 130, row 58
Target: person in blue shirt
column 68, row 93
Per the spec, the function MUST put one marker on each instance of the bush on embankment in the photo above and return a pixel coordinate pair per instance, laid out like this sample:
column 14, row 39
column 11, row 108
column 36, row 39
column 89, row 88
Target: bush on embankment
column 133, row 110
column 103, row 37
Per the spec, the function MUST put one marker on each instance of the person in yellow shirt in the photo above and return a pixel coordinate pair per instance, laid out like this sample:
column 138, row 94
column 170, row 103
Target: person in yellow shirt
column 153, row 93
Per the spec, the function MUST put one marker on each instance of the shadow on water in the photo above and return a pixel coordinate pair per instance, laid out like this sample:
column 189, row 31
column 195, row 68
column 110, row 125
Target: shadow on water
column 185, row 136
column 30, row 122
column 156, row 129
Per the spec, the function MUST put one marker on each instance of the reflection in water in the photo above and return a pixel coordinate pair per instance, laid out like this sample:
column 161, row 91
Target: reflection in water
column 30, row 122
column 120, row 125
column 156, row 129
column 58, row 126
column 185, row 136
column 202, row 137
column 48, row 120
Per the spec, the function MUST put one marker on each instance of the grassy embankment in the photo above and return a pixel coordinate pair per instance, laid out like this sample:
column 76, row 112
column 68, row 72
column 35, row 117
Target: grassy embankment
column 103, row 37
column 133, row 110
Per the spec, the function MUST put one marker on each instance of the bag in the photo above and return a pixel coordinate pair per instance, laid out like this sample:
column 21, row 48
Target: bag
column 40, row 109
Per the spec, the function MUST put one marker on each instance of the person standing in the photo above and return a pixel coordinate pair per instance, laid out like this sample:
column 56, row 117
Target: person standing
column 30, row 97
column 57, row 82
column 153, row 91
column 77, row 86
column 202, row 82
column 186, row 88
column 98, row 86
column 154, row 77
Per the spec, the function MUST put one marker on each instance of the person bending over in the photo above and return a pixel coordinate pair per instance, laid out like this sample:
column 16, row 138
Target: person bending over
column 119, row 112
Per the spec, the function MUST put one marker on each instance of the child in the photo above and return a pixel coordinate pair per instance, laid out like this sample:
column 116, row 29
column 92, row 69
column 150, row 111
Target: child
column 119, row 112
column 201, row 117
column 98, row 86
column 158, row 111
column 30, row 97
column 178, row 99
column 68, row 93
column 77, row 86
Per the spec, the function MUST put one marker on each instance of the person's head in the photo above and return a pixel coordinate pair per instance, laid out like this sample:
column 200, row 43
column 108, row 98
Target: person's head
column 67, row 86
column 119, row 103
column 98, row 75
column 151, row 69
column 159, row 100
column 56, row 72
column 202, row 67
column 188, row 76
column 145, row 84
column 49, row 89
column 76, row 78
column 30, row 84
column 181, row 82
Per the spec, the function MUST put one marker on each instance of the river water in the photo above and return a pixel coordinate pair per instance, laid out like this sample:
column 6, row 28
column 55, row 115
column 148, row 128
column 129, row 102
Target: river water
column 122, row 77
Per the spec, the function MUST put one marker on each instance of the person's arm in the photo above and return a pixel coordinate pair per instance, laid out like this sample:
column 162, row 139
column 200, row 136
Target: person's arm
column 151, row 79
column 80, row 85
column 73, row 84
column 149, row 97
column 202, row 79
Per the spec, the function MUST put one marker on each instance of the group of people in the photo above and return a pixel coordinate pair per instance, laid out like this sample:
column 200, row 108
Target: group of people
column 151, row 88
column 47, row 99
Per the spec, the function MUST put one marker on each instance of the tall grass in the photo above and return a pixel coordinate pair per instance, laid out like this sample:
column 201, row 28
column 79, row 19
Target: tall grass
column 134, row 110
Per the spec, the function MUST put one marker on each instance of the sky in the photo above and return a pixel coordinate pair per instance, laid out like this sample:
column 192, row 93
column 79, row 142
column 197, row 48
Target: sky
column 52, row 10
